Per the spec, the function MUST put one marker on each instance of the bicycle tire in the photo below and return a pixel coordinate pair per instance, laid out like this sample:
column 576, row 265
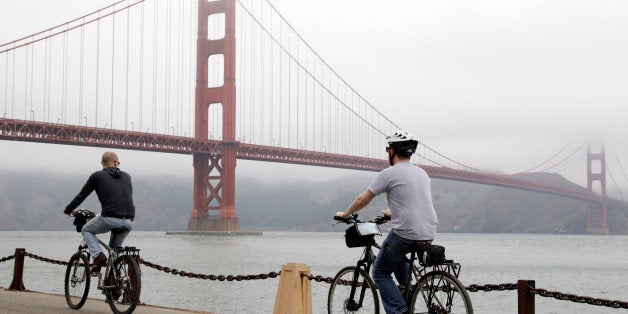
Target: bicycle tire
column 440, row 292
column 338, row 298
column 77, row 280
column 126, row 276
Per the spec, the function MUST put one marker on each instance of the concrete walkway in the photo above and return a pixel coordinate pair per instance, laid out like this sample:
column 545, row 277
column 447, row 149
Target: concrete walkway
column 38, row 302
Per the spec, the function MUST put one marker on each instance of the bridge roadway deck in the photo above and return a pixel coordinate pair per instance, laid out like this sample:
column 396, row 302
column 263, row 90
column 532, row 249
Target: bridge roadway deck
column 38, row 302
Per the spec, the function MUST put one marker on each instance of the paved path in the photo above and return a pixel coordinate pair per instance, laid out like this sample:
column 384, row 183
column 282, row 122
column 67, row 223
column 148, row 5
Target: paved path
column 38, row 302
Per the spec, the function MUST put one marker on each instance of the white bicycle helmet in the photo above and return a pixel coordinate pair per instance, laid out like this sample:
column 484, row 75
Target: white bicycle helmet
column 400, row 136
column 403, row 143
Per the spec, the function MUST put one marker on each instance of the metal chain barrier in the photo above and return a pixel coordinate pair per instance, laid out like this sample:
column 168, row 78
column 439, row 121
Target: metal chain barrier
column 472, row 288
column 492, row 287
column 319, row 278
column 8, row 258
column 43, row 259
column 209, row 277
column 579, row 299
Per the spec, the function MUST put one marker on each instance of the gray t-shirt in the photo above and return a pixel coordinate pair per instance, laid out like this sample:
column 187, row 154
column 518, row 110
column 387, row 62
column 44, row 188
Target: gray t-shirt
column 409, row 196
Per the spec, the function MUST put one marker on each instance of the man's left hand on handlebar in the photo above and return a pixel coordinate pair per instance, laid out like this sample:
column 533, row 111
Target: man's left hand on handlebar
column 342, row 215
column 69, row 213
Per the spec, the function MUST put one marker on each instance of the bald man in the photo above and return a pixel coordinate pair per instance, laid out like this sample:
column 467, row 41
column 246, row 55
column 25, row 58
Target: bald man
column 115, row 193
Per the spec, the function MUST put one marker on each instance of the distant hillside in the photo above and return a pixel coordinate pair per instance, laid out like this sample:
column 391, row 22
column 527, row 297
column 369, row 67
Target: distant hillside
column 36, row 201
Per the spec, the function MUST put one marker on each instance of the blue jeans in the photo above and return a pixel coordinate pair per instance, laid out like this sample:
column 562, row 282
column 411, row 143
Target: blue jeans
column 100, row 224
column 390, row 260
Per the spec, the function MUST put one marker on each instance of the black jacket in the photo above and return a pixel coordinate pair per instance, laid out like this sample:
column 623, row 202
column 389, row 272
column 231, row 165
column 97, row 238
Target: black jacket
column 114, row 191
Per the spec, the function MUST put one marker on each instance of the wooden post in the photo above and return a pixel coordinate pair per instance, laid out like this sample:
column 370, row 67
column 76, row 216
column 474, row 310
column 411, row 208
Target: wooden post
column 526, row 297
column 18, row 270
column 294, row 294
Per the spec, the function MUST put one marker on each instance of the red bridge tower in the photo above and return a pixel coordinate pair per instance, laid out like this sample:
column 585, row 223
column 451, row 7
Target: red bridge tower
column 597, row 215
column 214, row 174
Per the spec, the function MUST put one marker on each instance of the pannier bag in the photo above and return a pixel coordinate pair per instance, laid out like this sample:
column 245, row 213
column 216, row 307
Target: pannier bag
column 81, row 217
column 362, row 235
column 430, row 255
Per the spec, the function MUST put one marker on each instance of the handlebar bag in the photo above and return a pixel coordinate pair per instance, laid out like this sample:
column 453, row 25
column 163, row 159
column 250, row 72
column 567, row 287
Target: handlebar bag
column 353, row 238
column 81, row 217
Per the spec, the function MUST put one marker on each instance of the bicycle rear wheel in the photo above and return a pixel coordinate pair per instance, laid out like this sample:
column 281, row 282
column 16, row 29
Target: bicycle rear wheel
column 77, row 280
column 365, row 298
column 439, row 293
column 125, row 275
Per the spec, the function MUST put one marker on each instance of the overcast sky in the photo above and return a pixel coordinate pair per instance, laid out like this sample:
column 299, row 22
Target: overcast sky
column 492, row 84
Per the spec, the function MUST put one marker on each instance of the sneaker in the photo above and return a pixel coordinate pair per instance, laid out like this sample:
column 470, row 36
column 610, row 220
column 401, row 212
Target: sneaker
column 99, row 262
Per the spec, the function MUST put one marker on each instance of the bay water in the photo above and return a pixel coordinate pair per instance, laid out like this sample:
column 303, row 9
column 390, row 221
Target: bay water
column 585, row 265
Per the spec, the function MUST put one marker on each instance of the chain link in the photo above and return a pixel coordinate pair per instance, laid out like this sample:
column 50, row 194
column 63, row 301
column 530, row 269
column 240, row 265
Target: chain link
column 182, row 273
column 579, row 299
column 492, row 287
column 8, row 258
column 43, row 259
column 319, row 278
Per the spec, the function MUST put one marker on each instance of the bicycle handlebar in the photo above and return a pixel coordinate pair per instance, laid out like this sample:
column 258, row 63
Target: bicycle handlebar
column 353, row 218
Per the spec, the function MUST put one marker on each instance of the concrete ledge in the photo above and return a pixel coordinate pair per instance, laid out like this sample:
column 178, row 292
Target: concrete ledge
column 216, row 233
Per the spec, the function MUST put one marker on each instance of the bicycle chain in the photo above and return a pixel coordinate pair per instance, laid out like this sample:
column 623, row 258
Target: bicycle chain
column 182, row 273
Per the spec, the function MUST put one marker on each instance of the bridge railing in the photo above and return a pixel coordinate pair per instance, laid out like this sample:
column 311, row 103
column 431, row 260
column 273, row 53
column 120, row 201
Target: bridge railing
column 526, row 290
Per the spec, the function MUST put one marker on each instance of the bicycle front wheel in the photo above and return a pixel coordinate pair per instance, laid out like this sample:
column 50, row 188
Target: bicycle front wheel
column 364, row 297
column 77, row 280
column 125, row 276
column 439, row 293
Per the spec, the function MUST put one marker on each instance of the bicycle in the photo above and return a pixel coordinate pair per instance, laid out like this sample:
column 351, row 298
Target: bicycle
column 432, row 286
column 121, row 283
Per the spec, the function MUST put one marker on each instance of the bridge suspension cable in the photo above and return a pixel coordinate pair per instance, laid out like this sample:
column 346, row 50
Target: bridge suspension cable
column 619, row 164
column 547, row 160
column 621, row 195
column 33, row 38
column 322, row 108
column 92, row 70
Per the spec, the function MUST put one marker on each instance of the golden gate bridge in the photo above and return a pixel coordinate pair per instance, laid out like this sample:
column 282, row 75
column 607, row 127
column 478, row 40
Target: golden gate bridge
column 221, row 81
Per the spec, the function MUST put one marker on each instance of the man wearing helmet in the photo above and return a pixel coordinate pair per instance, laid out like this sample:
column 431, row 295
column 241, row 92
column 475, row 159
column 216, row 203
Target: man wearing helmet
column 412, row 213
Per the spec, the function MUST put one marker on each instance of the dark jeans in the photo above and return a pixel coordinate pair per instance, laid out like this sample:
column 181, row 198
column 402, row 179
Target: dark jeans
column 389, row 260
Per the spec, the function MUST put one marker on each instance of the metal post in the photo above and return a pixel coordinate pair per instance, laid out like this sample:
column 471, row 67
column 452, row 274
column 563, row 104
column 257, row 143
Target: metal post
column 526, row 297
column 18, row 271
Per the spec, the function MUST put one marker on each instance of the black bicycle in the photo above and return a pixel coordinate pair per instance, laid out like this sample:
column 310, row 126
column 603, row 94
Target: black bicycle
column 121, row 283
column 432, row 286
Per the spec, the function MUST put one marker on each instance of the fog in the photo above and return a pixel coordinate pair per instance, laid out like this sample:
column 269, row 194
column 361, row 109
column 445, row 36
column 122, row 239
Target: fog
column 499, row 85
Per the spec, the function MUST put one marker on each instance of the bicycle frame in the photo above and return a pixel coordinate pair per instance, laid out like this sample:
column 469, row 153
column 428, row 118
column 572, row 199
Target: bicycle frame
column 437, row 284
column 365, row 263
column 113, row 253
